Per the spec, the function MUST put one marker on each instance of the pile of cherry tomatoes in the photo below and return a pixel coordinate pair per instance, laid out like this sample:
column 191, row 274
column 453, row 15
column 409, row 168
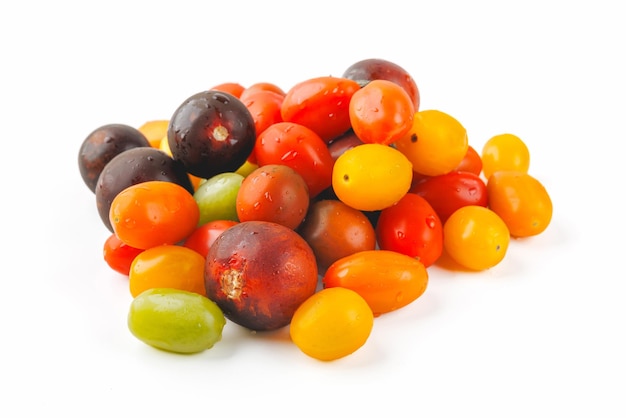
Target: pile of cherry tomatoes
column 318, row 208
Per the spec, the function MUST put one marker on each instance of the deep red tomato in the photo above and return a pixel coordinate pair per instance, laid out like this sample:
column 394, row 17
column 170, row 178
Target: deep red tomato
column 119, row 256
column 201, row 239
column 411, row 227
column 300, row 148
column 449, row 192
column 321, row 104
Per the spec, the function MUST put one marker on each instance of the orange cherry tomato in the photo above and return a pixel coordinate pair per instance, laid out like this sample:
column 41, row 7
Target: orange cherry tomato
column 261, row 86
column 321, row 104
column 229, row 87
column 153, row 213
column 387, row 280
column 522, row 202
column 167, row 266
column 472, row 162
column 381, row 112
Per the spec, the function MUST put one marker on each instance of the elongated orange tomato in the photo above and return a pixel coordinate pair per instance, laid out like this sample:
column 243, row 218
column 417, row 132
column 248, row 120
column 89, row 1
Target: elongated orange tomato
column 387, row 280
column 153, row 213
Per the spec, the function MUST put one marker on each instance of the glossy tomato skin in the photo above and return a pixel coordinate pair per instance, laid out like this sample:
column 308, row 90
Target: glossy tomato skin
column 259, row 272
column 102, row 145
column 521, row 200
column 119, row 256
column 300, row 148
column 448, row 192
column 167, row 266
column 381, row 112
column 370, row 69
column 321, row 104
column 203, row 236
column 211, row 132
column 274, row 193
column 411, row 227
column 335, row 230
column 387, row 280
column 264, row 106
column 472, row 162
column 135, row 166
column 153, row 213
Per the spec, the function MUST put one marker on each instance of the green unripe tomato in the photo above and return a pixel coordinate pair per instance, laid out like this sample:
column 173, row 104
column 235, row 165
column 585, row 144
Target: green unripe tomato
column 176, row 320
column 216, row 197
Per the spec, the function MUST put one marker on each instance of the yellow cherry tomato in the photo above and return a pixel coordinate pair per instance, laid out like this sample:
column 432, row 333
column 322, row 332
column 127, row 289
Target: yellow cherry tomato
column 436, row 144
column 476, row 237
column 505, row 152
column 331, row 324
column 522, row 202
column 371, row 177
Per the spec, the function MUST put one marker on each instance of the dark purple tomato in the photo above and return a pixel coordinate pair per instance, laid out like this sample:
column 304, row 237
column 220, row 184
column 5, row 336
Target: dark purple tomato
column 379, row 69
column 211, row 132
column 134, row 166
column 101, row 145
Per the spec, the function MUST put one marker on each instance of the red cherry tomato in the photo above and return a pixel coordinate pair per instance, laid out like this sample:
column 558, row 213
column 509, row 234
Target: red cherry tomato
column 449, row 192
column 300, row 148
column 203, row 237
column 264, row 106
column 411, row 227
column 119, row 256
column 321, row 104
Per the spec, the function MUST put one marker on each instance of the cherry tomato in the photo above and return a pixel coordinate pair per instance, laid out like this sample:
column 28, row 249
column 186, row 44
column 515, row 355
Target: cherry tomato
column 321, row 104
column 387, row 280
column 435, row 144
column 300, row 148
column 505, row 152
column 264, row 106
column 273, row 193
column 522, row 202
column 153, row 213
column 229, row 87
column 154, row 131
column 346, row 141
column 370, row 69
column 331, row 324
column 371, row 177
column 411, row 227
column 335, row 230
column 381, row 112
column 167, row 266
column 205, row 235
column 261, row 86
column 448, row 192
column 118, row 255
column 472, row 162
column 476, row 237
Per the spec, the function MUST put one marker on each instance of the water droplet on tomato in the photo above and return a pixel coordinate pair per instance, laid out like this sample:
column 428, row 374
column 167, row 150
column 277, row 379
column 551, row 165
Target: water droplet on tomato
column 289, row 155
column 400, row 234
column 431, row 221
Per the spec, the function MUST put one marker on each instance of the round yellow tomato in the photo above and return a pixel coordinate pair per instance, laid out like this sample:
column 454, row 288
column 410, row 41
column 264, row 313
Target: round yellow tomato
column 476, row 237
column 371, row 177
column 505, row 152
column 331, row 324
column 522, row 202
column 436, row 144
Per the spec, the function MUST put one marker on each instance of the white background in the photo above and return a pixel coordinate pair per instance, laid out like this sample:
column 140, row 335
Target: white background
column 540, row 335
